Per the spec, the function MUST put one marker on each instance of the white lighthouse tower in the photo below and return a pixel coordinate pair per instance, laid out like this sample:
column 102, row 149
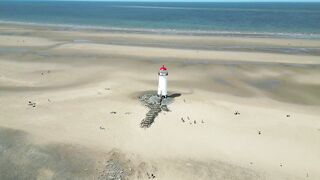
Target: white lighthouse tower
column 162, row 87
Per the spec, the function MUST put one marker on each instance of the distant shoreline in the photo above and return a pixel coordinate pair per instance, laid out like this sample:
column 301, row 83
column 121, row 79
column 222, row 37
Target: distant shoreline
column 168, row 31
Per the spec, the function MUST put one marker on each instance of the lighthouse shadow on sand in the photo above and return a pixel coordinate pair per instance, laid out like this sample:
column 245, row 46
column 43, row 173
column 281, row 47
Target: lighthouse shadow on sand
column 174, row 95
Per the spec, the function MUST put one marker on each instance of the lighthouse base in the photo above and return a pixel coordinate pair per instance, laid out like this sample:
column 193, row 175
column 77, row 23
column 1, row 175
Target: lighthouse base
column 161, row 96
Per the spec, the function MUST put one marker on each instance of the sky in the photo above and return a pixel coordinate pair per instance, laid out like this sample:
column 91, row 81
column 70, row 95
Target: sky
column 213, row 0
column 205, row 0
column 187, row 0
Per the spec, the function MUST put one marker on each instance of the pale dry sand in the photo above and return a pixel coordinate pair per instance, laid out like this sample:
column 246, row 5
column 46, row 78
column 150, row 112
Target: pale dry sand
column 77, row 78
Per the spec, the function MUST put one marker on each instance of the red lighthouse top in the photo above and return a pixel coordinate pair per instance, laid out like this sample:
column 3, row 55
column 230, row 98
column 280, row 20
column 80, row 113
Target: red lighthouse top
column 163, row 68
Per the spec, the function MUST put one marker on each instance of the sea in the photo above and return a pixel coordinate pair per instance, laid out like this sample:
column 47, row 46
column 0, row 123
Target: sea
column 296, row 20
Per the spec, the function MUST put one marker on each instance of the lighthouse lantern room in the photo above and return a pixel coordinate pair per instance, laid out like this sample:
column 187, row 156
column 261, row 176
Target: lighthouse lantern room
column 162, row 87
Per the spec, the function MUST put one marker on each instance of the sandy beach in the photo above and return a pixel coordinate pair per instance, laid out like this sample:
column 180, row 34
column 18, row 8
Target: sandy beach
column 246, row 107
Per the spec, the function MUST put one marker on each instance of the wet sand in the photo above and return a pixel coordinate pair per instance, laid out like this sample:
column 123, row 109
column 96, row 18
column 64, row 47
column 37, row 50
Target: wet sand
column 85, row 114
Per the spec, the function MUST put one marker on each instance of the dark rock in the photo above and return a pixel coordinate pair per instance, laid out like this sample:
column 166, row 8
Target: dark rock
column 155, row 105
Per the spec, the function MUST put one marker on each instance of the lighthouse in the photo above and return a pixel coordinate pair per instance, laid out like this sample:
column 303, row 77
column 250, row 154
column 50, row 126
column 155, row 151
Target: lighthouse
column 162, row 87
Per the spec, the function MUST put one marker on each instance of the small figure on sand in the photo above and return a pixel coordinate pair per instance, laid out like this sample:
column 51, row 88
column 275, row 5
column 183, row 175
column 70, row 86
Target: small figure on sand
column 113, row 112
column 32, row 104
column 102, row 128
column 259, row 132
column 182, row 120
column 236, row 113
column 151, row 176
column 195, row 122
column 288, row 115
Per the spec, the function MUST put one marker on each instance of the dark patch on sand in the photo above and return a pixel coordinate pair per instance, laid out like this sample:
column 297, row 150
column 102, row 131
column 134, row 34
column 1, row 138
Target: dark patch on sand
column 21, row 159
column 116, row 167
column 277, row 81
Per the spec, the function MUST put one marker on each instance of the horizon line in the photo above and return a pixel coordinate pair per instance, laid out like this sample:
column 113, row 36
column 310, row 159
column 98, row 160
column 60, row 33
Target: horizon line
column 177, row 1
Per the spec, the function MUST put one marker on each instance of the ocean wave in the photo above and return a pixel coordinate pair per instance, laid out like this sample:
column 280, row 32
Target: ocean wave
column 222, row 9
column 171, row 31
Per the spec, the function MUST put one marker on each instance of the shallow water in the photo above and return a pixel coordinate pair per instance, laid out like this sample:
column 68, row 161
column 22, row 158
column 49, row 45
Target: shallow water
column 261, row 19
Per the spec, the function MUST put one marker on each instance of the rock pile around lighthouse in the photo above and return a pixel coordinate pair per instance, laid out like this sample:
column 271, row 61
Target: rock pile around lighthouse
column 155, row 105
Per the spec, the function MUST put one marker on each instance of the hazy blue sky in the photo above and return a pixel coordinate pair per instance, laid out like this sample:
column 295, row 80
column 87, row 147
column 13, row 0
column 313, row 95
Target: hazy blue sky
column 212, row 0
column 207, row 0
column 188, row 0
column 185, row 0
column 215, row 0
